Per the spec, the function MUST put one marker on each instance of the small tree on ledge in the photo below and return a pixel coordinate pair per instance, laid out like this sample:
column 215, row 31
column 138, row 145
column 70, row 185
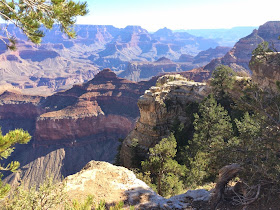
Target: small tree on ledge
column 7, row 143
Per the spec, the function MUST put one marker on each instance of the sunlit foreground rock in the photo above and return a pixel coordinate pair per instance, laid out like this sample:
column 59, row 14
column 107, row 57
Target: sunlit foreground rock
column 113, row 184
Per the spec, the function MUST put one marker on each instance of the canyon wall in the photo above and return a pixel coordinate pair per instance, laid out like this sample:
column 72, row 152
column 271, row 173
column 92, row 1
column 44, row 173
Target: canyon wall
column 71, row 127
column 159, row 107
column 239, row 56
column 266, row 70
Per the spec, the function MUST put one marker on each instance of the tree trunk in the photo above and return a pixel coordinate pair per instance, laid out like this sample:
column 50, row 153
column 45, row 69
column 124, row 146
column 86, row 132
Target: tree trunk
column 226, row 174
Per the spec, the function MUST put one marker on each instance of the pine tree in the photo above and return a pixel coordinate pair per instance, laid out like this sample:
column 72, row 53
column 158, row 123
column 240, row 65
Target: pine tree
column 30, row 15
column 222, row 81
column 7, row 143
column 164, row 168
column 213, row 129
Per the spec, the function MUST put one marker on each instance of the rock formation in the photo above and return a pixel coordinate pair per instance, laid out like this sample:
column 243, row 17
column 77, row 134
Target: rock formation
column 204, row 57
column 114, row 184
column 239, row 56
column 137, row 70
column 59, row 63
column 159, row 107
column 266, row 70
column 72, row 127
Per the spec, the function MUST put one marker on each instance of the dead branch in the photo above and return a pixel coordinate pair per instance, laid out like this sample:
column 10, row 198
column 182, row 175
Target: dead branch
column 226, row 174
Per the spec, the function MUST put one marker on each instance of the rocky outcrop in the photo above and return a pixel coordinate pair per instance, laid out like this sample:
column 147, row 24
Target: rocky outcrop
column 159, row 107
column 204, row 57
column 137, row 71
column 266, row 70
column 239, row 56
column 73, row 127
column 114, row 184
column 18, row 110
column 58, row 63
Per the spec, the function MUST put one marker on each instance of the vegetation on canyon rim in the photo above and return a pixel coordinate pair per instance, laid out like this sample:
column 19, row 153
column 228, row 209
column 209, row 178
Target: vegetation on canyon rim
column 7, row 143
column 237, row 123
column 31, row 15
column 49, row 196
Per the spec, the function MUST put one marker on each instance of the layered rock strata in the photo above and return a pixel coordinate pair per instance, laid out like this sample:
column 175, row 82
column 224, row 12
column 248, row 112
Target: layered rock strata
column 159, row 107
column 239, row 56
column 72, row 127
column 139, row 70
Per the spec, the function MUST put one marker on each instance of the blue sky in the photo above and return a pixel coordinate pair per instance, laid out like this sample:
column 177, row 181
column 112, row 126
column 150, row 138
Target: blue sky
column 181, row 14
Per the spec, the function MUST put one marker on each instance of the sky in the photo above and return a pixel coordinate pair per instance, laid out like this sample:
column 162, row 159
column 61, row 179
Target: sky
column 181, row 14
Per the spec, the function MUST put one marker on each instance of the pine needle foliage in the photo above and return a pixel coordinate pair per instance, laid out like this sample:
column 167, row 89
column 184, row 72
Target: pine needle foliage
column 7, row 143
column 165, row 171
column 31, row 15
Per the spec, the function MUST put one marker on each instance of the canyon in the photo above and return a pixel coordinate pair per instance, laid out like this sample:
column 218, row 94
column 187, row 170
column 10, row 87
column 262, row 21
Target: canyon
column 239, row 56
column 59, row 63
column 160, row 107
column 137, row 71
column 71, row 127
column 83, row 123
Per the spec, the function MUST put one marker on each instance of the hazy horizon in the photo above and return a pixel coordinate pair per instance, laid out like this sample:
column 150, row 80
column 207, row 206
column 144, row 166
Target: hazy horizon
column 181, row 14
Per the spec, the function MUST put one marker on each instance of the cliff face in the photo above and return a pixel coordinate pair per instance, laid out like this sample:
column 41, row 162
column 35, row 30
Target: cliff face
column 266, row 70
column 58, row 63
column 106, row 104
column 159, row 107
column 75, row 126
column 137, row 71
column 18, row 110
column 239, row 56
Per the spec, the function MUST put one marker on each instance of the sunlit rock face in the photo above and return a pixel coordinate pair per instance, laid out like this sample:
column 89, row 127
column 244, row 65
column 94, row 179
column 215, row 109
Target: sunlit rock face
column 113, row 184
column 159, row 107
column 71, row 127
column 239, row 56
column 266, row 70
column 144, row 70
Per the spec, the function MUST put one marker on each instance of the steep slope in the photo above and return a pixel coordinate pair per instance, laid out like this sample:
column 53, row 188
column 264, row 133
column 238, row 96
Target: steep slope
column 239, row 56
column 37, row 69
column 137, row 71
column 266, row 71
column 71, row 128
column 60, row 62
column 159, row 107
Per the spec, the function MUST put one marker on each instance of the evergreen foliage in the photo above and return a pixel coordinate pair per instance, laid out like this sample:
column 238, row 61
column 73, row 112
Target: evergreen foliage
column 222, row 81
column 213, row 129
column 261, row 51
column 163, row 168
column 7, row 143
column 254, row 145
column 30, row 15
column 118, row 155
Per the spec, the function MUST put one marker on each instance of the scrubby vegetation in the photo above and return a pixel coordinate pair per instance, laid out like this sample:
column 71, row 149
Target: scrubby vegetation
column 51, row 196
column 238, row 123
